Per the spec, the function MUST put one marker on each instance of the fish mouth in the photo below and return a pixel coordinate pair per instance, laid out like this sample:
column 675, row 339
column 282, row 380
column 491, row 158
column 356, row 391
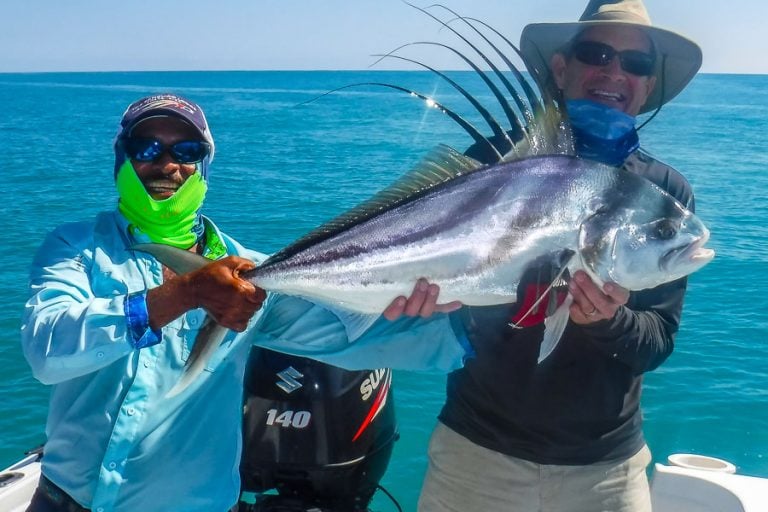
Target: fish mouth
column 693, row 254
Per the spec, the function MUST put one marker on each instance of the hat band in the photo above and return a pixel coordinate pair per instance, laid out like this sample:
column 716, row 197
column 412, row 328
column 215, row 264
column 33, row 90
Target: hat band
column 619, row 17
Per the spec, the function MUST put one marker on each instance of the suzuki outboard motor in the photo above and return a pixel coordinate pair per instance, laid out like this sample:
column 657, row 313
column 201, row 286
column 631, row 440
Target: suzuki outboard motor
column 320, row 436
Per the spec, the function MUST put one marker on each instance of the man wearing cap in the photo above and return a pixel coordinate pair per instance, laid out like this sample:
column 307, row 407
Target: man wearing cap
column 566, row 434
column 111, row 330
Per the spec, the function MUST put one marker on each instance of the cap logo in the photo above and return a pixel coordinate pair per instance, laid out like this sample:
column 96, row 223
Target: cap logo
column 158, row 102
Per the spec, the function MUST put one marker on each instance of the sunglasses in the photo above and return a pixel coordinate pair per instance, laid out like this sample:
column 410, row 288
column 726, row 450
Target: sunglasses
column 149, row 150
column 600, row 54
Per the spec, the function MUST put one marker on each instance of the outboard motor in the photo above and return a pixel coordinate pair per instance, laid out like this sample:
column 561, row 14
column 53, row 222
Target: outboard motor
column 316, row 436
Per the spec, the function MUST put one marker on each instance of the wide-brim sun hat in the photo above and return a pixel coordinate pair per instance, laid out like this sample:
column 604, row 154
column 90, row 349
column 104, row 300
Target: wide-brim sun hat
column 678, row 59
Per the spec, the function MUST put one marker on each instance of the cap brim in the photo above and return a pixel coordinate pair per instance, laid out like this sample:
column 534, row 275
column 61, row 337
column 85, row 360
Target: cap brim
column 678, row 58
column 163, row 112
column 205, row 133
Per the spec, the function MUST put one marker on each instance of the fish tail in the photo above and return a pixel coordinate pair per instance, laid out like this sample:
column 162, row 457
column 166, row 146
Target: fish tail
column 208, row 340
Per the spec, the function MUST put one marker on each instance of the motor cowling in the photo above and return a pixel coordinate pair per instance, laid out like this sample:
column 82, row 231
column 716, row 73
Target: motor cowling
column 319, row 435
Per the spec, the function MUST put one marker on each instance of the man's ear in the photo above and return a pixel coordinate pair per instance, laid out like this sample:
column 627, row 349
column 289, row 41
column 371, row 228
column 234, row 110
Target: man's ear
column 557, row 65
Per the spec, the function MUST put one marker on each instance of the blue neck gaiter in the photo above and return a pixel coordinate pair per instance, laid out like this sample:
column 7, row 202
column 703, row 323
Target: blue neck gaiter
column 602, row 133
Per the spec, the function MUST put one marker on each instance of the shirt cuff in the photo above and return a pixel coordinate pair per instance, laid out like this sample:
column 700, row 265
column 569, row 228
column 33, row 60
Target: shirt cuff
column 461, row 336
column 140, row 334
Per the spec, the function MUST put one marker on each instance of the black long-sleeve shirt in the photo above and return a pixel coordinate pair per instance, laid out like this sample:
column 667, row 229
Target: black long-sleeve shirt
column 581, row 405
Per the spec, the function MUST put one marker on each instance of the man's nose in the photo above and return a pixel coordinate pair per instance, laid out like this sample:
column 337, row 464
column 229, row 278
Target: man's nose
column 166, row 164
column 613, row 68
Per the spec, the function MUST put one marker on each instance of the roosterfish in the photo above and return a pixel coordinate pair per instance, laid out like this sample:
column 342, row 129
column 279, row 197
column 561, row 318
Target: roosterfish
column 474, row 229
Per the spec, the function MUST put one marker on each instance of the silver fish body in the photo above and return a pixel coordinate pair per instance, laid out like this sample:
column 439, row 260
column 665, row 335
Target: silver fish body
column 476, row 235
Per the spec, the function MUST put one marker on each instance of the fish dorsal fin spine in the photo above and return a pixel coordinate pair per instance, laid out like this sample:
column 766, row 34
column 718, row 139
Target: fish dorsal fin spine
column 539, row 124
column 547, row 133
column 442, row 165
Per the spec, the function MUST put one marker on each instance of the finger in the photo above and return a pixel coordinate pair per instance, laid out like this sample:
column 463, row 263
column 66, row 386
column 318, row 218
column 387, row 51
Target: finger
column 243, row 290
column 617, row 294
column 597, row 297
column 582, row 310
column 585, row 312
column 430, row 301
column 245, row 266
column 253, row 293
column 578, row 314
column 255, row 302
column 239, row 326
column 239, row 261
column 261, row 294
column 580, row 299
column 417, row 298
column 449, row 307
column 395, row 309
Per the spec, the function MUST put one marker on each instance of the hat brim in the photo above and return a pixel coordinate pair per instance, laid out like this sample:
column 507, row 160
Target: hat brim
column 680, row 57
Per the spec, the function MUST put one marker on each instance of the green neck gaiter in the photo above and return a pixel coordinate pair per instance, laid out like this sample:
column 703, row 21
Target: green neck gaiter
column 171, row 221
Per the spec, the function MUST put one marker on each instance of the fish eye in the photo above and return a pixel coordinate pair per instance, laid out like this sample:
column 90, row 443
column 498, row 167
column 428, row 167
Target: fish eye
column 665, row 229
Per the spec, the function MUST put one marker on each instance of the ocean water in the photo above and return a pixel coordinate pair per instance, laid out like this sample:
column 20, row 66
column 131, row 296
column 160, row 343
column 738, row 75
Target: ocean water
column 281, row 168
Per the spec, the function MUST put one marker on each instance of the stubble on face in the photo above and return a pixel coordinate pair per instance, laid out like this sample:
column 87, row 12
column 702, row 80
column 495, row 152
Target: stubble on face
column 163, row 177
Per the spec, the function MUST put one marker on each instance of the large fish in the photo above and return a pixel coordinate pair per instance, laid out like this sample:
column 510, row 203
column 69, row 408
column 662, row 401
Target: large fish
column 474, row 229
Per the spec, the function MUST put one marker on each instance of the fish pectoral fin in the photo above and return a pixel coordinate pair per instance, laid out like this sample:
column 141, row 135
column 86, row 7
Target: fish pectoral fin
column 178, row 260
column 208, row 340
column 564, row 259
column 554, row 326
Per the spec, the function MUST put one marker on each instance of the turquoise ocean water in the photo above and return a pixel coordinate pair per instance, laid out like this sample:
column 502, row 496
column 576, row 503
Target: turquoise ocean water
column 281, row 169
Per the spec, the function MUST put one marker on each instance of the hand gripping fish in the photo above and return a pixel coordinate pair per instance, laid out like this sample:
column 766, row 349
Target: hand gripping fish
column 474, row 229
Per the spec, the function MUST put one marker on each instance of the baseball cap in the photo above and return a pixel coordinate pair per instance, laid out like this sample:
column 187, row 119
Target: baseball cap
column 163, row 105
column 166, row 105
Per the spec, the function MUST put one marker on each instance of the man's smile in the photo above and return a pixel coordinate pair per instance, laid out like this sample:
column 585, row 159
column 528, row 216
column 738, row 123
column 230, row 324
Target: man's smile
column 161, row 189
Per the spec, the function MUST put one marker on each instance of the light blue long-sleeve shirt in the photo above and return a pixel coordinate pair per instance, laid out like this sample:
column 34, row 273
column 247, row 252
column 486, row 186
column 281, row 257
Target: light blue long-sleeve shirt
column 114, row 441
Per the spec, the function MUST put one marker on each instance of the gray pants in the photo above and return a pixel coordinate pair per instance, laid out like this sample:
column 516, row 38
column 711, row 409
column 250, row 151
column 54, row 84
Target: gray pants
column 465, row 477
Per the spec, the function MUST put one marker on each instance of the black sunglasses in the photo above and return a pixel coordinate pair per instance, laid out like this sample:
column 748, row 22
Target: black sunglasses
column 600, row 54
column 149, row 150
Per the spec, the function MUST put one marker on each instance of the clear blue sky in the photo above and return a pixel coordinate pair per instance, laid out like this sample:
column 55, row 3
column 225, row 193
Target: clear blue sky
column 109, row 35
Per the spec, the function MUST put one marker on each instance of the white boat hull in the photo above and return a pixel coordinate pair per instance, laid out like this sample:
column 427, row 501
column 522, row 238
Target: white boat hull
column 704, row 485
column 695, row 483
column 18, row 483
